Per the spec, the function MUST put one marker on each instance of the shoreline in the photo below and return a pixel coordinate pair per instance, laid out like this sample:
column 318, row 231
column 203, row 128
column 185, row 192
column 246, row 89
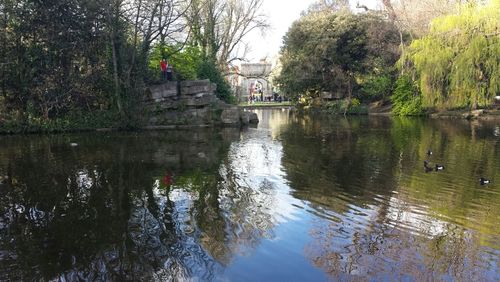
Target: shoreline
column 479, row 115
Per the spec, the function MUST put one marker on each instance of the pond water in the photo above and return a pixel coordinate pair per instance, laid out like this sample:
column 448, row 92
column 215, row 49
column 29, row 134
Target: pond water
column 299, row 198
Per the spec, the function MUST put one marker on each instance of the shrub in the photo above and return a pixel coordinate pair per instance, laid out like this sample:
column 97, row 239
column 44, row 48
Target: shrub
column 377, row 87
column 343, row 106
column 406, row 98
column 208, row 70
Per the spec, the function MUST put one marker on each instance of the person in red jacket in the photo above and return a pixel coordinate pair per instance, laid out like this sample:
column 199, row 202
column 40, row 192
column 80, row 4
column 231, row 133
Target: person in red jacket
column 163, row 66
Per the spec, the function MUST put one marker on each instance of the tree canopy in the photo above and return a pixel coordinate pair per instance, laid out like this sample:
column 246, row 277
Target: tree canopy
column 457, row 64
column 61, row 56
column 449, row 62
column 334, row 50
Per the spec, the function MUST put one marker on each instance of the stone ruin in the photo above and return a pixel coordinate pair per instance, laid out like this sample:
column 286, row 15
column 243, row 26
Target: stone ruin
column 191, row 103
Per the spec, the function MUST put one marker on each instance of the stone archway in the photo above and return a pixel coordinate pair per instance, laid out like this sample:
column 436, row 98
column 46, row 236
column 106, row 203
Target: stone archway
column 255, row 74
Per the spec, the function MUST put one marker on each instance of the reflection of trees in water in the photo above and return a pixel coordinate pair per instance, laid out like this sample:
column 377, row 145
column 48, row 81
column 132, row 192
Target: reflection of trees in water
column 324, row 159
column 384, row 253
column 99, row 211
column 93, row 212
column 244, row 217
column 348, row 172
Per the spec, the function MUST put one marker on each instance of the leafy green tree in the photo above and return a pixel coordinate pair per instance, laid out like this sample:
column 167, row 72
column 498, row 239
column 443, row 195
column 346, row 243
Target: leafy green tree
column 62, row 57
column 457, row 64
column 208, row 69
column 185, row 62
column 335, row 51
column 53, row 51
column 132, row 28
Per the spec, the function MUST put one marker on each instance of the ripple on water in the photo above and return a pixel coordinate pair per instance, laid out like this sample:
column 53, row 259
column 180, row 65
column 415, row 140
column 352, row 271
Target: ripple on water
column 296, row 197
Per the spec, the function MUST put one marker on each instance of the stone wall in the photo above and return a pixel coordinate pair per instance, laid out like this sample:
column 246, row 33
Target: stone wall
column 191, row 103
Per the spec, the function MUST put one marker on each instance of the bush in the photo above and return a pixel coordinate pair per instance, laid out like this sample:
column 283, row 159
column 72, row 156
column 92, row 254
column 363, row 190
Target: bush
column 377, row 87
column 406, row 98
column 208, row 70
column 343, row 106
column 73, row 121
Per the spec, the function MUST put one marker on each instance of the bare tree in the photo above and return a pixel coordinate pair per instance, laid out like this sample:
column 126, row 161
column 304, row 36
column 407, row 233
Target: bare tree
column 218, row 27
column 415, row 16
column 157, row 20
column 333, row 5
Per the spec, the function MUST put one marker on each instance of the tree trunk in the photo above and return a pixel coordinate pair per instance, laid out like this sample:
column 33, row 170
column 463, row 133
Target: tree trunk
column 402, row 56
column 115, row 77
column 3, row 52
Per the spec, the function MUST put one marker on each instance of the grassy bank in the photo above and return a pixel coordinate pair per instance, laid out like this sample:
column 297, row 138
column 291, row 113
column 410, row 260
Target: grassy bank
column 70, row 123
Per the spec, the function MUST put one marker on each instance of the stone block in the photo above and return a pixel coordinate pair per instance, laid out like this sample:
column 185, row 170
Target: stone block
column 245, row 118
column 196, row 87
column 196, row 116
column 153, row 120
column 191, row 83
column 230, row 116
column 249, row 118
column 196, row 90
column 162, row 91
column 253, row 118
column 204, row 115
column 168, row 104
column 197, row 106
column 204, row 100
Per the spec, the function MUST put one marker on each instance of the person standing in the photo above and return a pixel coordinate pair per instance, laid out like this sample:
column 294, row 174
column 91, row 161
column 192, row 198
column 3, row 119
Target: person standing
column 163, row 66
column 169, row 71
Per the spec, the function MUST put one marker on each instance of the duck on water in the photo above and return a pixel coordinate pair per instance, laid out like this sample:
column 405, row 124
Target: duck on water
column 484, row 181
column 428, row 168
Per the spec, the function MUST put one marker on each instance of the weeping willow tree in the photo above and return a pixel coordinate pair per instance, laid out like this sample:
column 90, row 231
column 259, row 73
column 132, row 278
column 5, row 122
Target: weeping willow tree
column 457, row 64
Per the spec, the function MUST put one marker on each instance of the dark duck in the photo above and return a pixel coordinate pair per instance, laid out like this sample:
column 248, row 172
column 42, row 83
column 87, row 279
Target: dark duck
column 439, row 167
column 484, row 181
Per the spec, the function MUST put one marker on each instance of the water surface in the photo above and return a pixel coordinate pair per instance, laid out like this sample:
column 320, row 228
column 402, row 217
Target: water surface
column 299, row 198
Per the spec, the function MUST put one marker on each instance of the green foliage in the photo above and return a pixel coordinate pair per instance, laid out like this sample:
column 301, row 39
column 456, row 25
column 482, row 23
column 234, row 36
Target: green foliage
column 376, row 87
column 344, row 106
column 334, row 50
column 185, row 61
column 189, row 64
column 73, row 121
column 61, row 57
column 208, row 70
column 51, row 66
column 406, row 100
column 457, row 64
